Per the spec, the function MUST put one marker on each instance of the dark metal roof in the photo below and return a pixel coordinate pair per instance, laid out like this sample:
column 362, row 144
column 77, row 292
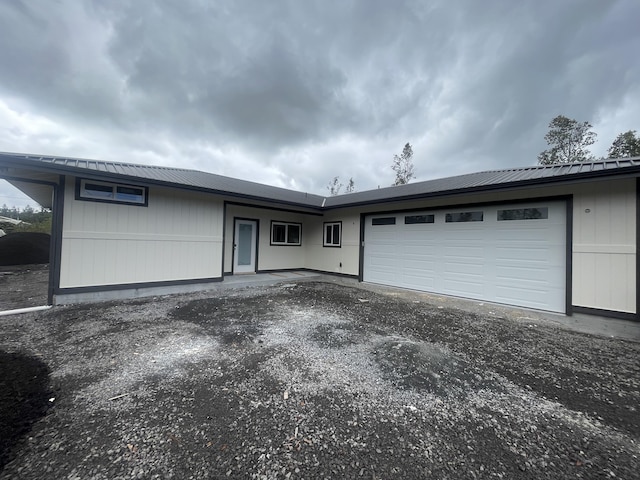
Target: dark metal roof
column 193, row 179
column 179, row 177
column 490, row 180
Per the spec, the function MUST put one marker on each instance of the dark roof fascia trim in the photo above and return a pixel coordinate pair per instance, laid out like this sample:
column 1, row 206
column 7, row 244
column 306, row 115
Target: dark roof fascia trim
column 516, row 201
column 222, row 193
column 101, row 175
column 317, row 212
column 505, row 187
column 29, row 163
column 633, row 171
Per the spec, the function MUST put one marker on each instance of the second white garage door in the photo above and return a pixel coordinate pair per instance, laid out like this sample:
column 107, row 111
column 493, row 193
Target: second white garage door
column 511, row 254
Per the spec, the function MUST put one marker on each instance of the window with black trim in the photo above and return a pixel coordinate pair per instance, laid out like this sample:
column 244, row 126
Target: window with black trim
column 332, row 234
column 523, row 214
column 464, row 217
column 413, row 219
column 383, row 221
column 283, row 233
column 97, row 191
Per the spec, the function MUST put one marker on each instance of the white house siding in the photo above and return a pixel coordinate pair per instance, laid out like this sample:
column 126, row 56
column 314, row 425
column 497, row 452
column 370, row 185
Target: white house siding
column 270, row 257
column 177, row 237
column 604, row 245
column 345, row 259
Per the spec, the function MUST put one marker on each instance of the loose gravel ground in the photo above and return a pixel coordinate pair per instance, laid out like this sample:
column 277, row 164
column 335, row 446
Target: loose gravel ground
column 313, row 380
column 23, row 286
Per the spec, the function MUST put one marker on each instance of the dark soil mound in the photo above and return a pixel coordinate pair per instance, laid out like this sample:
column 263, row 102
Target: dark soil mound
column 24, row 248
column 24, row 398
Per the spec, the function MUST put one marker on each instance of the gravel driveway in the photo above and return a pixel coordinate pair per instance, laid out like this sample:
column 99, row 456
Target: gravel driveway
column 311, row 380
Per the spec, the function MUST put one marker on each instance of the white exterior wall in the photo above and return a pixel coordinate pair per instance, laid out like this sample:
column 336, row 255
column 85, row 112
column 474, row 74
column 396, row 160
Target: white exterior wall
column 270, row 257
column 604, row 245
column 345, row 259
column 311, row 254
column 177, row 237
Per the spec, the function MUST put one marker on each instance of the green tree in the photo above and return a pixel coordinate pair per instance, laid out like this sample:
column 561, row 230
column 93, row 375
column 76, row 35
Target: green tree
column 34, row 221
column 12, row 212
column 569, row 140
column 625, row 145
column 403, row 166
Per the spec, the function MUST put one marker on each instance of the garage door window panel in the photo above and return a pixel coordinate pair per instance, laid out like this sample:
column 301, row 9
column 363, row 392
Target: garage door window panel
column 523, row 214
column 461, row 217
column 383, row 221
column 417, row 219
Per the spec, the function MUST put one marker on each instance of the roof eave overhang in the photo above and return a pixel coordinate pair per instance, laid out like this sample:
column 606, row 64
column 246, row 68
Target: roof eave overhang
column 629, row 172
column 27, row 164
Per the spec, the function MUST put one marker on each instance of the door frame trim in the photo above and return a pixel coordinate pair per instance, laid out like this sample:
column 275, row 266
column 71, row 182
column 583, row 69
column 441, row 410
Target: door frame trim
column 233, row 242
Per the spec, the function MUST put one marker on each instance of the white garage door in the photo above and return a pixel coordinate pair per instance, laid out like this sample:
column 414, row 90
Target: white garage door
column 511, row 254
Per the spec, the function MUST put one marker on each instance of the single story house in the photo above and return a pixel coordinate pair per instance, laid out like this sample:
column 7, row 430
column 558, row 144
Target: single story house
column 560, row 238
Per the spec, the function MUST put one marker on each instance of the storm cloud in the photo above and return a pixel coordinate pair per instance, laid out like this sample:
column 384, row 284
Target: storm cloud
column 293, row 93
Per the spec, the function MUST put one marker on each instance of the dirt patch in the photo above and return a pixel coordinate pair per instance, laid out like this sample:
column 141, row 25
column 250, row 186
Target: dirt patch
column 318, row 380
column 23, row 286
column 24, row 398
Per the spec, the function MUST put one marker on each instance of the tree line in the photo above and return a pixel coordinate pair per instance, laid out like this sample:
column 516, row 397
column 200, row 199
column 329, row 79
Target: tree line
column 569, row 142
column 34, row 220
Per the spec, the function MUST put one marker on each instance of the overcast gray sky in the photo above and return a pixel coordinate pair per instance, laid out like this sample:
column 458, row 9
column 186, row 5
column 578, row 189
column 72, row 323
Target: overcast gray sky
column 292, row 93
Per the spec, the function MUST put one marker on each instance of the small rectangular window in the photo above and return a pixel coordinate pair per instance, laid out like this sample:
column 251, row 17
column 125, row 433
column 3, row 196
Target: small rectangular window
column 523, row 214
column 130, row 194
column 412, row 219
column 464, row 217
column 278, row 233
column 332, row 232
column 383, row 221
column 293, row 234
column 96, row 191
column 286, row 233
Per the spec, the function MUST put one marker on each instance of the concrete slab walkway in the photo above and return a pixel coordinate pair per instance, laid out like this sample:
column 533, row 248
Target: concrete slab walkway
column 267, row 278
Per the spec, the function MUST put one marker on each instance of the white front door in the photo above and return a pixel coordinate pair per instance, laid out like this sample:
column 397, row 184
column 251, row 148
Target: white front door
column 244, row 246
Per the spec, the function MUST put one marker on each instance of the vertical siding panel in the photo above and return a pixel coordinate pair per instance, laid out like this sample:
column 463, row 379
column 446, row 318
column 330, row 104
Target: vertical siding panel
column 621, row 293
column 604, row 239
column 602, row 215
column 631, row 285
column 110, row 256
column 174, row 238
column 602, row 271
